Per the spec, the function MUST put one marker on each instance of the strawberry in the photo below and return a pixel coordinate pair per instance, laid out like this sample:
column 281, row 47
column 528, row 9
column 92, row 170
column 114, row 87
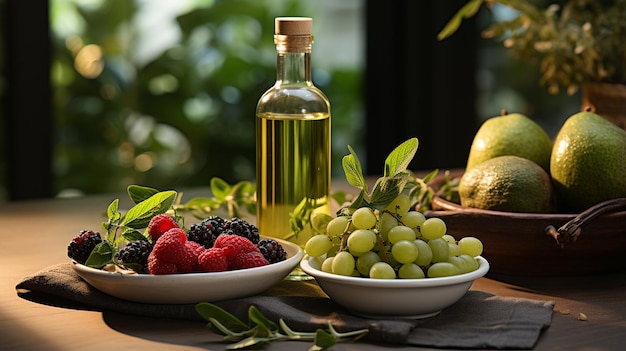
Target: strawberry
column 213, row 260
column 160, row 224
column 247, row 260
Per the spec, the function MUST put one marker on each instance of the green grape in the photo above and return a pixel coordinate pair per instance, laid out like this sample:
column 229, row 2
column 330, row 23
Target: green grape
column 472, row 263
column 387, row 221
column 337, row 226
column 318, row 245
column 410, row 271
column 425, row 253
column 343, row 263
column 364, row 218
column 433, row 228
column 336, row 245
column 365, row 262
column 400, row 205
column 357, row 253
column 400, row 232
column 413, row 219
column 459, row 263
column 382, row 270
column 471, row 246
column 361, row 240
column 327, row 265
column 449, row 238
column 455, row 250
column 440, row 248
column 404, row 251
column 442, row 269
column 412, row 247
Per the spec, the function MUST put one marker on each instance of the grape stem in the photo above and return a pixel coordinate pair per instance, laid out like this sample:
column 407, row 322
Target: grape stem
column 570, row 231
column 344, row 237
column 379, row 238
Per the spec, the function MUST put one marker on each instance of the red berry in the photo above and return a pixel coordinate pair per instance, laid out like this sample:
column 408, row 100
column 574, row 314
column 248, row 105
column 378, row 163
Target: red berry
column 170, row 247
column 247, row 260
column 235, row 244
column 189, row 262
column 195, row 246
column 160, row 224
column 213, row 260
column 156, row 266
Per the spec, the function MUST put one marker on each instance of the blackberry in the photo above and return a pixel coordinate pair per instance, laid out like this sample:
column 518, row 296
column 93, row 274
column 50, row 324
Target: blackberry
column 81, row 245
column 135, row 255
column 242, row 228
column 205, row 232
column 272, row 250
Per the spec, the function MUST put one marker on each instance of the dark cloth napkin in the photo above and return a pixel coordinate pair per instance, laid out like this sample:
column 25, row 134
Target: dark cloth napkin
column 478, row 320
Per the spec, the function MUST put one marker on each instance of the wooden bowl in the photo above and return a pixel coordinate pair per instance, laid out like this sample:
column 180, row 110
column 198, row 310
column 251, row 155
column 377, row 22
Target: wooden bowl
column 517, row 243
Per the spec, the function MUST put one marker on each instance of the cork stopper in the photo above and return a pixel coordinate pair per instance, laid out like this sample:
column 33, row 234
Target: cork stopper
column 294, row 26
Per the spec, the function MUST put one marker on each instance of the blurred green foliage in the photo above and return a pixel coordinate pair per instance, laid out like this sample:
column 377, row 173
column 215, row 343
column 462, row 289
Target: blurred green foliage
column 187, row 114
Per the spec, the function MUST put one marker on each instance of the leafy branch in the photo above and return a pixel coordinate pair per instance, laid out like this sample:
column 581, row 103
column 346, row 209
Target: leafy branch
column 260, row 330
column 395, row 180
column 574, row 41
column 127, row 227
column 233, row 199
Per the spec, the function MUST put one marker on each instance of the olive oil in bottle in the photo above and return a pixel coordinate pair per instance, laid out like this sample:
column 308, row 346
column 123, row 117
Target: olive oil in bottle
column 293, row 139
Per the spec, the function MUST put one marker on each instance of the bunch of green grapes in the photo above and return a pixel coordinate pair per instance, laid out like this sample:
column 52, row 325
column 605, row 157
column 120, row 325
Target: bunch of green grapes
column 391, row 243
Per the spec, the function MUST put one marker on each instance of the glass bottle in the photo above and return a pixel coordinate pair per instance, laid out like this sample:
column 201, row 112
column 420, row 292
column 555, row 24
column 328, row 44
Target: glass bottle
column 292, row 139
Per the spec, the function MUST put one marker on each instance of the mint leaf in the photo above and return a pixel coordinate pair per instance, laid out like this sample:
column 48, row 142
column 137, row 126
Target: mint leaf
column 210, row 311
column 399, row 159
column 113, row 212
column 388, row 188
column 139, row 216
column 352, row 169
column 220, row 188
column 243, row 191
column 133, row 235
column 101, row 255
column 114, row 217
column 360, row 201
column 259, row 319
column 324, row 339
column 138, row 193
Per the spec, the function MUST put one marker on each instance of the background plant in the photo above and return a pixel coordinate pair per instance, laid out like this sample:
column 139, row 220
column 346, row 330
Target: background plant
column 574, row 41
column 178, row 118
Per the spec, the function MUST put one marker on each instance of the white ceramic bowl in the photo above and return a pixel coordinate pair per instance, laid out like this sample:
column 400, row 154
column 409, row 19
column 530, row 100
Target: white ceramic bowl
column 395, row 298
column 192, row 287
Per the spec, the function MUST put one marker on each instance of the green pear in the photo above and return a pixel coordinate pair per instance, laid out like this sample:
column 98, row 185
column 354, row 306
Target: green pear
column 510, row 134
column 588, row 161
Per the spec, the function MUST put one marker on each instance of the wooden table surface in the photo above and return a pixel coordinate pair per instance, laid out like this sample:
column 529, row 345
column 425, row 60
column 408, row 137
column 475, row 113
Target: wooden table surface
column 35, row 234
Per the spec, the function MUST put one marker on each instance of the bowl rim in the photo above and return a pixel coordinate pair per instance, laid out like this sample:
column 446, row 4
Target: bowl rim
column 481, row 271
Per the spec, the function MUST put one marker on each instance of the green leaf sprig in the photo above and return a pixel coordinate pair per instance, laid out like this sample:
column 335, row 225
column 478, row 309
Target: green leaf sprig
column 120, row 227
column 261, row 331
column 395, row 180
column 232, row 199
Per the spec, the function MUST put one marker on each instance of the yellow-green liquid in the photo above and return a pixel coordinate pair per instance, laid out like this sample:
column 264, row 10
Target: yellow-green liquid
column 293, row 164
